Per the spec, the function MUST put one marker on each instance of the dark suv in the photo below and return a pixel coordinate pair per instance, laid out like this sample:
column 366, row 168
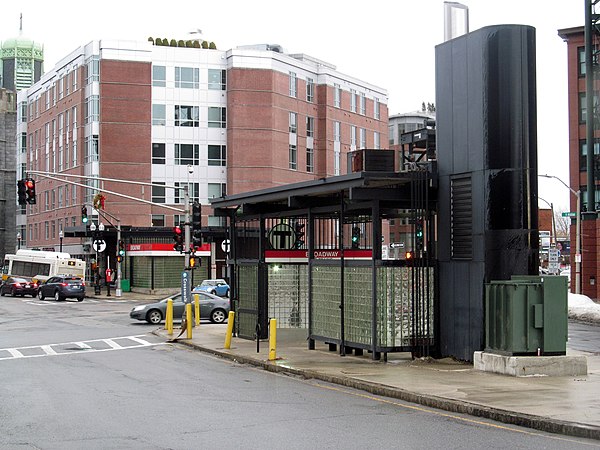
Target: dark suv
column 61, row 287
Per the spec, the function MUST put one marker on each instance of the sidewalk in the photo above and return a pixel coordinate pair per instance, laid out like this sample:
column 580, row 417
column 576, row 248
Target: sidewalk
column 564, row 405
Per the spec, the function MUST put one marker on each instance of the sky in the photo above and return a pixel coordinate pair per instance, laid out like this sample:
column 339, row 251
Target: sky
column 390, row 44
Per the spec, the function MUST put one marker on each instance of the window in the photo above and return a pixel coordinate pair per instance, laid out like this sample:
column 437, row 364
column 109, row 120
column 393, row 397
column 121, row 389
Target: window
column 187, row 116
column 217, row 79
column 47, row 230
column 216, row 190
column 178, row 219
column 91, row 149
column 337, row 126
column 376, row 140
column 310, row 127
column 293, row 153
column 363, row 138
column 23, row 142
column 60, row 88
column 583, row 106
column 217, row 155
column 23, row 111
column 67, row 82
column 293, row 123
column 158, row 194
column 93, row 69
column 337, row 96
column 310, row 89
column 92, row 109
column 363, row 104
column 159, row 76
column 581, row 59
column 47, row 95
column 337, row 159
column 217, row 117
column 353, row 135
column 60, row 196
column 187, row 154
column 352, row 100
column 159, row 115
column 376, row 109
column 293, row 84
column 158, row 220
column 193, row 189
column 74, row 79
column 158, row 153
column 310, row 163
column 187, row 77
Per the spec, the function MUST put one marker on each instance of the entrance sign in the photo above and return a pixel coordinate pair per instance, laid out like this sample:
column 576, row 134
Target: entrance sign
column 282, row 237
column 226, row 245
column 99, row 245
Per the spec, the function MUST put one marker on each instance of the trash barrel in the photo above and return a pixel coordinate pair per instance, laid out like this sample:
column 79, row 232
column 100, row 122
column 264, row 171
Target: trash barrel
column 125, row 286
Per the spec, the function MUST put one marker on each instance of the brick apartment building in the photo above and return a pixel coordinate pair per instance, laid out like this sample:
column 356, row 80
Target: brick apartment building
column 590, row 225
column 220, row 122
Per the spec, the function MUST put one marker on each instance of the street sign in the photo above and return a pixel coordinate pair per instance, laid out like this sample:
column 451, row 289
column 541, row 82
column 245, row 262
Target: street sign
column 99, row 245
column 185, row 287
column 569, row 214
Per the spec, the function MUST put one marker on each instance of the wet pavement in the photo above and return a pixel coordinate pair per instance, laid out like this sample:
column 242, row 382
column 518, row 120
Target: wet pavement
column 565, row 405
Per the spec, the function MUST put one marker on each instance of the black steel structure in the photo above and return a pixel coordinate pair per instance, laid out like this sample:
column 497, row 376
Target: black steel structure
column 487, row 159
column 347, row 295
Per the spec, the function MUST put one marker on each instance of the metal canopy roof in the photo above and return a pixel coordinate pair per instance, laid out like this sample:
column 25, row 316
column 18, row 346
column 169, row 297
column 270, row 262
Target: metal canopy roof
column 392, row 189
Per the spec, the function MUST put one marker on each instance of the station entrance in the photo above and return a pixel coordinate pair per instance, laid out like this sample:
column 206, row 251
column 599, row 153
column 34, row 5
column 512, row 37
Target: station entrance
column 310, row 256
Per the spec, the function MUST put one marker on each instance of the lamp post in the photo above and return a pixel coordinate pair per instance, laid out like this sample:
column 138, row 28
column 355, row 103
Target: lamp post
column 577, row 234
column 60, row 237
column 18, row 241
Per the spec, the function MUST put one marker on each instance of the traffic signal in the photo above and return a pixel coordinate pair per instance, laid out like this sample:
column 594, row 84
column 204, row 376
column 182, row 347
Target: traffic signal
column 121, row 248
column 419, row 233
column 21, row 192
column 178, row 238
column 355, row 237
column 299, row 234
column 119, row 259
column 30, row 190
column 409, row 255
column 192, row 262
column 84, row 217
column 197, row 224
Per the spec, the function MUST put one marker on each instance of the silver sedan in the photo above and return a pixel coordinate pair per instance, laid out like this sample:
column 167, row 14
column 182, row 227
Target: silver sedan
column 212, row 307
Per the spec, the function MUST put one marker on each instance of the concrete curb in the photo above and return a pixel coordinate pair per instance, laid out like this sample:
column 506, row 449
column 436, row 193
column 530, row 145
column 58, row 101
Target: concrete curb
column 509, row 417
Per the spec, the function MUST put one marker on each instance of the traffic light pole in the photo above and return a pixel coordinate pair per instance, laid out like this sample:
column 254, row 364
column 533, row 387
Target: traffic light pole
column 118, row 290
column 187, row 232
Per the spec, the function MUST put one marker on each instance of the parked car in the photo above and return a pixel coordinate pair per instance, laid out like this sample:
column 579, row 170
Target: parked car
column 61, row 287
column 211, row 306
column 19, row 286
column 216, row 287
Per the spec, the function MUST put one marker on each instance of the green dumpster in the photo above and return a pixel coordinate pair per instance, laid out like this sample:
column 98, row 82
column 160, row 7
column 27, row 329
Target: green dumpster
column 125, row 286
column 526, row 315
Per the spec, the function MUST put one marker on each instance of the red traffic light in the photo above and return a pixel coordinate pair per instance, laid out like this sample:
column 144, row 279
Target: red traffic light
column 177, row 230
column 29, row 184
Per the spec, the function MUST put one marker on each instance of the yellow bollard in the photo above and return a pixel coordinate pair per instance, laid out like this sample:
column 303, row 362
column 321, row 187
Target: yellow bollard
column 272, row 339
column 169, row 317
column 197, row 308
column 188, row 315
column 229, row 330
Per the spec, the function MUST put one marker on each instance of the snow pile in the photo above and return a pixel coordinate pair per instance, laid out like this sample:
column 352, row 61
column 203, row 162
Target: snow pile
column 583, row 308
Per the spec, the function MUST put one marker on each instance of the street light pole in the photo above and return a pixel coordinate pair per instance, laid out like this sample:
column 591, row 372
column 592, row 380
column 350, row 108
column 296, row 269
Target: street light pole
column 18, row 241
column 577, row 233
column 60, row 237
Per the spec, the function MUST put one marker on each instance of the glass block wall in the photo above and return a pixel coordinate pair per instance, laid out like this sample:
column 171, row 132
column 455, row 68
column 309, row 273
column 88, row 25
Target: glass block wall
column 358, row 308
column 326, row 298
column 245, row 322
column 288, row 295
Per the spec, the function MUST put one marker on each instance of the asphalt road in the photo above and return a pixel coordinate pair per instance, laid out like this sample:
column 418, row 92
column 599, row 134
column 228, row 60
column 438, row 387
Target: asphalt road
column 82, row 375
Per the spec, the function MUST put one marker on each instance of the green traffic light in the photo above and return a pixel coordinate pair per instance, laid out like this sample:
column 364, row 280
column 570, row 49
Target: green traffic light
column 84, row 219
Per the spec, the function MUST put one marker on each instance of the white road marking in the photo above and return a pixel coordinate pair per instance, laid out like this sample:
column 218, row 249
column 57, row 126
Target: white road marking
column 50, row 350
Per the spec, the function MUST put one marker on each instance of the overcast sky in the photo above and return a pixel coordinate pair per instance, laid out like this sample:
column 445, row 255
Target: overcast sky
column 389, row 43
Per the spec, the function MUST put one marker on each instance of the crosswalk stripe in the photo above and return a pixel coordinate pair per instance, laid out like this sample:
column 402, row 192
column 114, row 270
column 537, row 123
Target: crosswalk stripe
column 49, row 350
